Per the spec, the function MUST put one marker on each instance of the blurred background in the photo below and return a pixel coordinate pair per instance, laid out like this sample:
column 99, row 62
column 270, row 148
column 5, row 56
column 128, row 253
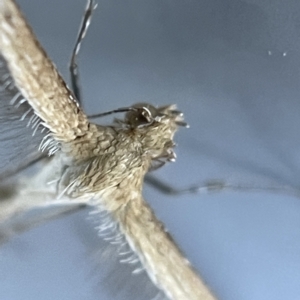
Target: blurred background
column 233, row 68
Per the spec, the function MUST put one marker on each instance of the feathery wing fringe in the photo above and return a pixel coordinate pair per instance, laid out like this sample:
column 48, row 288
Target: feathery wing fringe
column 19, row 133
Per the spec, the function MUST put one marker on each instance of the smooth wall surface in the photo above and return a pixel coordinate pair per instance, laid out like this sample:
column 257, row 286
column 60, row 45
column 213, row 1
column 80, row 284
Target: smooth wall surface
column 233, row 68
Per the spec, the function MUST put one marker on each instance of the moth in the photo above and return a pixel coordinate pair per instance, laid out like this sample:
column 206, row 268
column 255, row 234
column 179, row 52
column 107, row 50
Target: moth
column 206, row 152
column 102, row 166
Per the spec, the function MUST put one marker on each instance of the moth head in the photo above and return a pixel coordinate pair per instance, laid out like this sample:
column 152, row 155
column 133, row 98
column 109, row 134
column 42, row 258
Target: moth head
column 155, row 127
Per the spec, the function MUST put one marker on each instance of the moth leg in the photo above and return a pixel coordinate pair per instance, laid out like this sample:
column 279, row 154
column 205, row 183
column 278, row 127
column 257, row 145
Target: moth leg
column 217, row 185
column 165, row 188
column 22, row 166
column 73, row 67
column 35, row 216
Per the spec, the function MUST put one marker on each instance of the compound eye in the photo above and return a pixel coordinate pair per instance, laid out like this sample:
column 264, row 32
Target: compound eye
column 146, row 114
column 139, row 117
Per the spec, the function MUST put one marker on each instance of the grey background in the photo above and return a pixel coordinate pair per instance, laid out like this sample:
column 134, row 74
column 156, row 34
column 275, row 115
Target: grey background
column 233, row 69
